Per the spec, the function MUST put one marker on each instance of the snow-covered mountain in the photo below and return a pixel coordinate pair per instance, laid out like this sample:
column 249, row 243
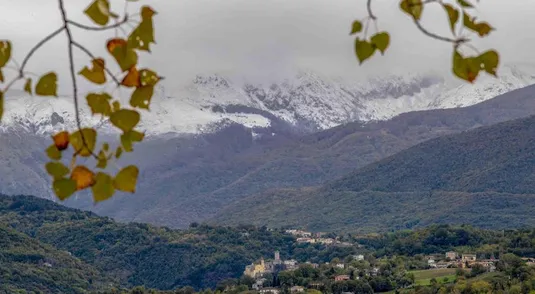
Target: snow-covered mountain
column 307, row 100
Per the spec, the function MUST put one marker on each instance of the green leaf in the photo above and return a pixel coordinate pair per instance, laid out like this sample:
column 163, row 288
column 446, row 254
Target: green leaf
column 465, row 4
column 102, row 160
column 129, row 137
column 47, row 85
column 118, row 152
column 64, row 188
column 57, row 170
column 5, row 52
column 126, row 179
column 481, row 28
column 453, row 16
column 125, row 119
column 148, row 77
column 142, row 36
column 95, row 74
column 99, row 103
column 490, row 61
column 28, row 86
column 105, row 147
column 356, row 27
column 363, row 50
column 103, row 188
column 99, row 12
column 141, row 97
column 77, row 141
column 465, row 68
column 53, row 152
column 381, row 41
column 413, row 8
column 1, row 75
column 123, row 53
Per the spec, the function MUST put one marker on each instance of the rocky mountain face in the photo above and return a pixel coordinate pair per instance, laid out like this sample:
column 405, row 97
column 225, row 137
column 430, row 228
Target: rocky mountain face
column 219, row 141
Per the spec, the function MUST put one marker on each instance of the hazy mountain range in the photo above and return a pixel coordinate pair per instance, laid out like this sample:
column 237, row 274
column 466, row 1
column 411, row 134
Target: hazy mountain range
column 218, row 142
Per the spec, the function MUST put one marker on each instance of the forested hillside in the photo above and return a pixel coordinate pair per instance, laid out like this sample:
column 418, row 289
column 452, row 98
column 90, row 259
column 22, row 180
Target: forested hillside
column 135, row 254
column 483, row 177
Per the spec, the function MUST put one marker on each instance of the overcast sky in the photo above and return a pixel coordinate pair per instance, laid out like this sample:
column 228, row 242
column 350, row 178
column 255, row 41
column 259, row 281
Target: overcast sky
column 267, row 39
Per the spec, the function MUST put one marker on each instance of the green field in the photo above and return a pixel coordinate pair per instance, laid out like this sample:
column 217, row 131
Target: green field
column 423, row 277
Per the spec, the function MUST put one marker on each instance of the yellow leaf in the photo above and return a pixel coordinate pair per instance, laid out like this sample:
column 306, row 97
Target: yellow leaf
column 99, row 103
column 132, row 78
column 148, row 77
column 363, row 50
column 490, row 61
column 47, row 85
column 105, row 147
column 125, row 119
column 116, row 105
column 129, row 137
column 465, row 68
column 28, row 86
column 103, row 188
column 118, row 152
column 413, row 8
column 77, row 141
column 61, row 140
column 124, row 54
column 356, row 27
column 99, row 12
column 5, row 52
column 464, row 3
column 57, row 170
column 53, row 152
column 1, row 75
column 102, row 160
column 1, row 105
column 83, row 177
column 64, row 188
column 126, row 179
column 453, row 16
column 381, row 41
column 142, row 36
column 95, row 74
column 481, row 28
column 141, row 97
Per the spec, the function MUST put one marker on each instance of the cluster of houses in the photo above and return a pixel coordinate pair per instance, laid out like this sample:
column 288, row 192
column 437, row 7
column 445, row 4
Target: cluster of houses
column 452, row 259
column 259, row 269
column 309, row 237
column 256, row 270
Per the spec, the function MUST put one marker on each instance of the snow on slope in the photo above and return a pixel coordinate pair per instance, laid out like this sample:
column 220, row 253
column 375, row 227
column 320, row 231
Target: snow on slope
column 324, row 103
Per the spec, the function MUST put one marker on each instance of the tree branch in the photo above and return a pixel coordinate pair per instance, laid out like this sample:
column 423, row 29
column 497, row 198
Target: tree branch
column 86, row 51
column 30, row 54
column 370, row 13
column 435, row 36
column 73, row 74
column 90, row 28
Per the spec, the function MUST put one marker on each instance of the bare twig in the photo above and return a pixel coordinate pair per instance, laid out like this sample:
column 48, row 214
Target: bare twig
column 370, row 13
column 435, row 36
column 90, row 28
column 86, row 51
column 29, row 55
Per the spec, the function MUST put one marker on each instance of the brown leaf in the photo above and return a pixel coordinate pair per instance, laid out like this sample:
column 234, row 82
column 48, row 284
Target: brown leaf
column 83, row 177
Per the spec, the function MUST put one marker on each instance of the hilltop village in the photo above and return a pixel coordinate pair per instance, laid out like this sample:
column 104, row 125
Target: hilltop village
column 272, row 275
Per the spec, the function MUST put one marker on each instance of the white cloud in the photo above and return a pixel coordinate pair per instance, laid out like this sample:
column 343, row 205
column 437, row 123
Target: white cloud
column 268, row 38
